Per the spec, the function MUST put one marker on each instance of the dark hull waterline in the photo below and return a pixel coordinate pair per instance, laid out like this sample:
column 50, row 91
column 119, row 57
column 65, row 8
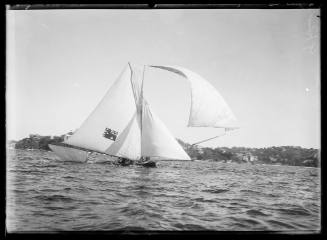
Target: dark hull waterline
column 120, row 162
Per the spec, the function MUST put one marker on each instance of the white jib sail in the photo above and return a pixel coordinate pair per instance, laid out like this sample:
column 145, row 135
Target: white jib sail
column 109, row 118
column 128, row 143
column 157, row 141
column 208, row 107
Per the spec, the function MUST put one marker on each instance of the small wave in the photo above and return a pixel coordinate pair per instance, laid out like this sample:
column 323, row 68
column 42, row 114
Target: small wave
column 133, row 211
column 60, row 208
column 69, row 177
column 92, row 202
column 48, row 190
column 206, row 200
column 273, row 195
column 236, row 200
column 247, row 221
column 55, row 198
column 89, row 216
column 240, row 226
column 192, row 227
column 249, row 191
column 294, row 211
column 184, row 204
column 50, row 166
column 311, row 174
column 254, row 212
column 41, row 213
column 251, row 221
column 281, row 224
column 19, row 191
column 130, row 228
column 215, row 190
column 283, row 183
column 165, row 195
column 28, row 171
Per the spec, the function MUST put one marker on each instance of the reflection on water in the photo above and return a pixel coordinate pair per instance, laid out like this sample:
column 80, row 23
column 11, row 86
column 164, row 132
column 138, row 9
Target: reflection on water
column 45, row 194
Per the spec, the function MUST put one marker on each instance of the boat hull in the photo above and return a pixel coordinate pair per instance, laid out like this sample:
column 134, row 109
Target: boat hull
column 76, row 154
column 149, row 164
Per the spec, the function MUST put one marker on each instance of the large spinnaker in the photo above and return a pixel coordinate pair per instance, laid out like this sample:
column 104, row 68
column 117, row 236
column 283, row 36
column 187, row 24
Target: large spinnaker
column 208, row 107
column 157, row 141
column 109, row 119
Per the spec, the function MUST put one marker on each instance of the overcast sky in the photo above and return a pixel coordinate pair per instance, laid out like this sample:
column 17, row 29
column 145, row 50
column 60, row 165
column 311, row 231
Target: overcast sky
column 265, row 63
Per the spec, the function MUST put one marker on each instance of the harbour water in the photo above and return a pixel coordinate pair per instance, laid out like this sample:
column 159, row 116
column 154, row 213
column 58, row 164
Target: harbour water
column 46, row 194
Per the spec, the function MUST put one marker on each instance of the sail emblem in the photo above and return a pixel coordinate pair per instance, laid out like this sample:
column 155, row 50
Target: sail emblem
column 110, row 134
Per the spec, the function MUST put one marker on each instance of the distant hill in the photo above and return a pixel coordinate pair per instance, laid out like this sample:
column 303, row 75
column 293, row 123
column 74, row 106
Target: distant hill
column 35, row 141
column 284, row 155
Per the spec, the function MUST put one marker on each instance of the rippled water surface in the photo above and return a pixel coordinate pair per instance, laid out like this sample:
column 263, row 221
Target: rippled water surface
column 45, row 194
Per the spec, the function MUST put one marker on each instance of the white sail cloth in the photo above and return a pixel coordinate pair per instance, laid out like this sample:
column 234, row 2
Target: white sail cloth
column 157, row 141
column 114, row 112
column 137, row 72
column 69, row 154
column 128, row 143
column 208, row 107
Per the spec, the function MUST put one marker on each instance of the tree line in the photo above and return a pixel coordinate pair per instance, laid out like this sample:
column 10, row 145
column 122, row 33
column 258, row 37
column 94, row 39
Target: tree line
column 283, row 155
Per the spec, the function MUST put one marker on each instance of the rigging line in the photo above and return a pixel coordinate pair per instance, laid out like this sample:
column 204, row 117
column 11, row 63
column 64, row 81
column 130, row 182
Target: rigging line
column 141, row 107
column 209, row 139
column 131, row 81
column 141, row 96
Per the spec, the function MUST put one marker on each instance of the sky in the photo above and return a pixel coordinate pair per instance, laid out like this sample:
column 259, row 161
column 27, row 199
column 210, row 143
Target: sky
column 264, row 62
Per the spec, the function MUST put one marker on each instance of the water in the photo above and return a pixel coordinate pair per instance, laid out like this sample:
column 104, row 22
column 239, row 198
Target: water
column 45, row 194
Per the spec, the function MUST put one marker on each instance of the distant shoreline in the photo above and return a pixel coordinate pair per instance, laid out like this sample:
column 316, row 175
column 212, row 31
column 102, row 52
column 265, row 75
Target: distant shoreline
column 282, row 155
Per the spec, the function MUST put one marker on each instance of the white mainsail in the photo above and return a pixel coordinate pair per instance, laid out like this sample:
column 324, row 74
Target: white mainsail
column 208, row 107
column 114, row 112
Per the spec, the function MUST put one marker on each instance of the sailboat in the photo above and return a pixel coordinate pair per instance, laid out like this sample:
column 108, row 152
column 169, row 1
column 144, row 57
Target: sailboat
column 123, row 125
